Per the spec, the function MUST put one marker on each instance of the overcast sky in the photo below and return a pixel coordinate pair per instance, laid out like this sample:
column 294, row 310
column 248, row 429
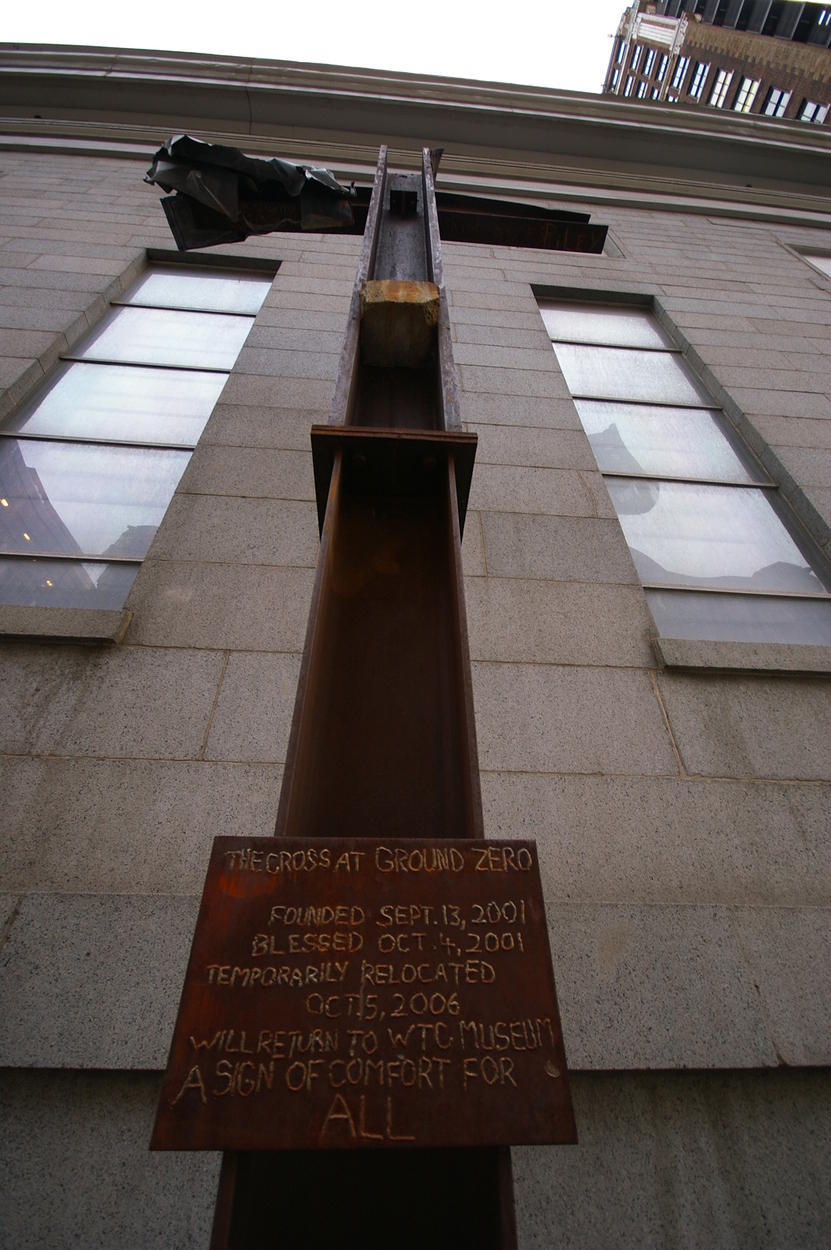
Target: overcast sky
column 558, row 43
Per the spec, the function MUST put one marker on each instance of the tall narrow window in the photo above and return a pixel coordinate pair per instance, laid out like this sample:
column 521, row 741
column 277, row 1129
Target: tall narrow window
column 649, row 61
column 776, row 102
column 699, row 75
column 717, row 550
column 89, row 465
column 719, row 92
column 745, row 96
column 680, row 70
column 810, row 111
column 662, row 67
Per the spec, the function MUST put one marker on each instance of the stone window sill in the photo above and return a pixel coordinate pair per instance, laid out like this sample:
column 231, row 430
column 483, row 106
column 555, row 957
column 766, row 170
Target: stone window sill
column 742, row 657
column 85, row 625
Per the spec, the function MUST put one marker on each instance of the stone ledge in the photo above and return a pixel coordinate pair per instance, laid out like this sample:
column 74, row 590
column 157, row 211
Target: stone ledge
column 742, row 657
column 63, row 624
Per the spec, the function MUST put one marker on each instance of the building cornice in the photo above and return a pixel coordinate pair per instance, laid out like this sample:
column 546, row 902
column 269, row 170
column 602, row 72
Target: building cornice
column 106, row 99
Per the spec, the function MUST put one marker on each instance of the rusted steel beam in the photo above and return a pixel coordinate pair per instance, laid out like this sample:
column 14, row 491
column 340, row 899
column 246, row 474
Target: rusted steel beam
column 383, row 737
column 448, row 380
column 343, row 398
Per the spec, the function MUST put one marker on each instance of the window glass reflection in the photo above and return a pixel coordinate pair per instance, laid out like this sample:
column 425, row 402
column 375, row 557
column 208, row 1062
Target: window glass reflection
column 672, row 442
column 720, row 536
column 618, row 373
column 119, row 402
column 155, row 336
column 740, row 618
column 651, row 422
column 621, row 327
column 217, row 290
column 64, row 583
column 78, row 499
column 75, row 478
column 821, row 262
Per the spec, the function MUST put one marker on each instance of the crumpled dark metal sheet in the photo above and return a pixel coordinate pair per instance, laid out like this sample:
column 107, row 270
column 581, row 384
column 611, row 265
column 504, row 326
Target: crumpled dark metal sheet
column 217, row 194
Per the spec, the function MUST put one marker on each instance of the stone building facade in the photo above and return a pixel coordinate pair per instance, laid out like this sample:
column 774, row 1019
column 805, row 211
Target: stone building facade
column 769, row 58
column 678, row 792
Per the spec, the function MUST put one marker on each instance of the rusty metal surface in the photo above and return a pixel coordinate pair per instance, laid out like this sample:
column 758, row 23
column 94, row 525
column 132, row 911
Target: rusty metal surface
column 382, row 736
column 401, row 251
column 392, row 462
column 448, row 388
column 480, row 219
column 359, row 993
column 388, row 1200
column 499, row 224
column 382, row 740
column 220, row 195
column 343, row 398
column 469, row 782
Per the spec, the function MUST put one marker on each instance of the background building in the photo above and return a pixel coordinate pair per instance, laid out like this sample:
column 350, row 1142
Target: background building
column 675, row 776
column 751, row 56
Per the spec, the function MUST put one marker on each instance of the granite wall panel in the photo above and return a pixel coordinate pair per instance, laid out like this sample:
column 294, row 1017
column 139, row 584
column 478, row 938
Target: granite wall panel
column 681, row 820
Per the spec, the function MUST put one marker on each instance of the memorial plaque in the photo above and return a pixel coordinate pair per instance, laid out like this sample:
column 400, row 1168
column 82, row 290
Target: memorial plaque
column 364, row 993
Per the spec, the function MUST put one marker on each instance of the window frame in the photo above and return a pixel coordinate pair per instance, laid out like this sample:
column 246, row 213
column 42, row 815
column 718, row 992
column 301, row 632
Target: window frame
column 92, row 622
column 698, row 80
column 812, row 112
column 679, row 72
column 780, row 102
column 746, row 94
column 715, row 653
column 721, row 86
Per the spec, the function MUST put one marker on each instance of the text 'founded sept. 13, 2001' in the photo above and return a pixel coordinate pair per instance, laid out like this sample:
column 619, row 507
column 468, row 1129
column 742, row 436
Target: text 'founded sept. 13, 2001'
column 346, row 993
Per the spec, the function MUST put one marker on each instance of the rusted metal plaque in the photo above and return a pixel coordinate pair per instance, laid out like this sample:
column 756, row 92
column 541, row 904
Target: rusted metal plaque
column 360, row 993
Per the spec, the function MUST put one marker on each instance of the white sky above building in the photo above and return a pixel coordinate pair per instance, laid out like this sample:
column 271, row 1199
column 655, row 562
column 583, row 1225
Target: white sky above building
column 558, row 43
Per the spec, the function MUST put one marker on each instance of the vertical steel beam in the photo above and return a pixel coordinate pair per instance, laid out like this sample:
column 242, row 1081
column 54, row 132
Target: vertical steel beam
column 383, row 738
